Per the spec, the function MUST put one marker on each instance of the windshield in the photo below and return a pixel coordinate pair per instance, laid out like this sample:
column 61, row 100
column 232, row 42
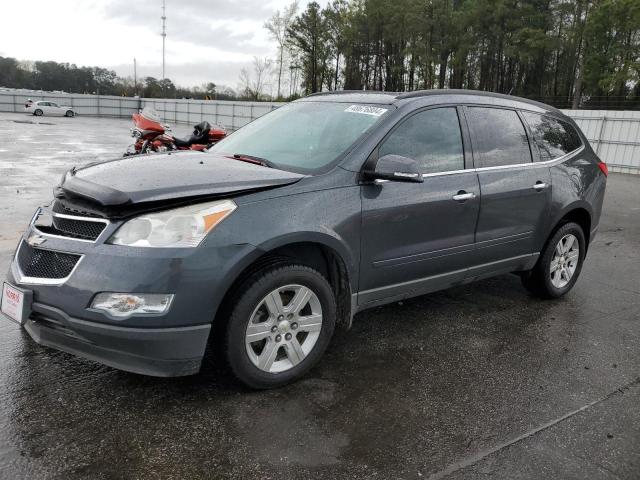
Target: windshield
column 303, row 136
column 150, row 114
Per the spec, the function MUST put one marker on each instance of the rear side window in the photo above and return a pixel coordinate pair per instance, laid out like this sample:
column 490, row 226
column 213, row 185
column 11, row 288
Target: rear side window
column 554, row 137
column 431, row 137
column 499, row 137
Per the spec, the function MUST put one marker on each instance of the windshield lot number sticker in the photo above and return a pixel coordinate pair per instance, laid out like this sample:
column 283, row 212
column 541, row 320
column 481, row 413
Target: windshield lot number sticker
column 366, row 110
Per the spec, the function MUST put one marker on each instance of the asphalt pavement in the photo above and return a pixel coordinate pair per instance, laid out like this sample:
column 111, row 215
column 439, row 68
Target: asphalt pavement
column 477, row 381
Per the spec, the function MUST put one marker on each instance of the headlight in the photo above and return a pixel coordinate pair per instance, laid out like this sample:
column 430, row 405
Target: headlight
column 127, row 304
column 180, row 227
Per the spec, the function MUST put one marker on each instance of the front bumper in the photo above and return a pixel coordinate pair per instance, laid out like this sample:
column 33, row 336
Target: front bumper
column 160, row 352
column 169, row 344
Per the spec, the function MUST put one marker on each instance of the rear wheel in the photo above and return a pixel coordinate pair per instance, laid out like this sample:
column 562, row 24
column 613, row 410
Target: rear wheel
column 280, row 325
column 69, row 113
column 37, row 112
column 559, row 264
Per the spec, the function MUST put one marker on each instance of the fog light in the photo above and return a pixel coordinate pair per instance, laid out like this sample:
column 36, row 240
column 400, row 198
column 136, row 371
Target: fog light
column 127, row 304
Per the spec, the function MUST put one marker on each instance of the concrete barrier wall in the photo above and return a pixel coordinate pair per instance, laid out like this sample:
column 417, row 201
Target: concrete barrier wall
column 614, row 135
column 94, row 105
column 230, row 114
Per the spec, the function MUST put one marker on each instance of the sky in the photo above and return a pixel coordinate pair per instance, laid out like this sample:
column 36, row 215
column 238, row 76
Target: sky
column 207, row 40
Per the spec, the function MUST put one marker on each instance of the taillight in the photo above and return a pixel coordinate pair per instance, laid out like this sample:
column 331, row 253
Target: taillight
column 604, row 168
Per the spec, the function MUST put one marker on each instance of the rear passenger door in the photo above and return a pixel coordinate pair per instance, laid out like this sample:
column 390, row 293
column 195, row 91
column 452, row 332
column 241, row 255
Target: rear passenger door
column 418, row 237
column 516, row 192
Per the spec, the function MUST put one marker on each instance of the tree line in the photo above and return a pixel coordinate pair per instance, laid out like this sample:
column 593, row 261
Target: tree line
column 65, row 77
column 569, row 53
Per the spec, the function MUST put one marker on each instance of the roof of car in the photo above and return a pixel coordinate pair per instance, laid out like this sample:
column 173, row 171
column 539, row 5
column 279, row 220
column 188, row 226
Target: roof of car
column 354, row 96
column 390, row 98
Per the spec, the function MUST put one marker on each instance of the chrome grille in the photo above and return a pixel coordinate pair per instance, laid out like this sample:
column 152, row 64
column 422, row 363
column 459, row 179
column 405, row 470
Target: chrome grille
column 65, row 222
column 71, row 227
column 40, row 263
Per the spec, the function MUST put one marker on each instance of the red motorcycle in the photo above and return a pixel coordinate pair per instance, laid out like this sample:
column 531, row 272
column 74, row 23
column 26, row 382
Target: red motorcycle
column 151, row 136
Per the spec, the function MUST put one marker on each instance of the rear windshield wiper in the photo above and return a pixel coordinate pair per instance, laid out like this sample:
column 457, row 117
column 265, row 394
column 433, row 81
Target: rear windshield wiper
column 251, row 159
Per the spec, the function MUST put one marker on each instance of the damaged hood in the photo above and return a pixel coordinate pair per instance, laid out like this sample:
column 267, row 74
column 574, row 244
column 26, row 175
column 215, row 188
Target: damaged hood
column 154, row 178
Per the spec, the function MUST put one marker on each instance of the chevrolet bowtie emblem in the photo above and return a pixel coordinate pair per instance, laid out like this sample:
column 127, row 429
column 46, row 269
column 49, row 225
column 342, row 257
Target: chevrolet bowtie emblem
column 35, row 240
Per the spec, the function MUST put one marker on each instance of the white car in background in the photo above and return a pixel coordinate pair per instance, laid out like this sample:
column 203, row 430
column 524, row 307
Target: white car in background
column 48, row 108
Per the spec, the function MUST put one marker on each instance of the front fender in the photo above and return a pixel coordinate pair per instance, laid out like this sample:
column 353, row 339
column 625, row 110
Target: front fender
column 252, row 253
column 327, row 239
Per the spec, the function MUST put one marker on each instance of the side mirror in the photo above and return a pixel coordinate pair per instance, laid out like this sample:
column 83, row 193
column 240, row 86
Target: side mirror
column 396, row 168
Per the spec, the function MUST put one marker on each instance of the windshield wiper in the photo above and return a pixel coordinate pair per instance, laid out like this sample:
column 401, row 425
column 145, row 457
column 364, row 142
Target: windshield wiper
column 251, row 159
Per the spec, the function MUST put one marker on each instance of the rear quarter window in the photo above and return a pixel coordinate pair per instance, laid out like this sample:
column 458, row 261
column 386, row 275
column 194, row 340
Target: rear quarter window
column 553, row 137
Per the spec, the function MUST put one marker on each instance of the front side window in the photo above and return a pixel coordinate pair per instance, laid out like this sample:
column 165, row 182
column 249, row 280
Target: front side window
column 499, row 137
column 303, row 137
column 431, row 137
column 554, row 137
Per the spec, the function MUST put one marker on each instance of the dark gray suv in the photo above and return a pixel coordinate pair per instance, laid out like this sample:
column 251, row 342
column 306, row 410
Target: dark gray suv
column 288, row 227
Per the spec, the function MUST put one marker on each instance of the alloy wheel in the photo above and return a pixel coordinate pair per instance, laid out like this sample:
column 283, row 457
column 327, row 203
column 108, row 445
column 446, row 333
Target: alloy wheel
column 565, row 261
column 283, row 328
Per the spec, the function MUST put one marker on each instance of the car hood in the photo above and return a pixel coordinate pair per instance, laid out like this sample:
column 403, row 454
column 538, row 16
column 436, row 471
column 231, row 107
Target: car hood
column 164, row 177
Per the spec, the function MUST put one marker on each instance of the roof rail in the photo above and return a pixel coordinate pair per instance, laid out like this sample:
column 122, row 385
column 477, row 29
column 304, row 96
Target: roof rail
column 342, row 92
column 438, row 91
column 480, row 93
column 455, row 91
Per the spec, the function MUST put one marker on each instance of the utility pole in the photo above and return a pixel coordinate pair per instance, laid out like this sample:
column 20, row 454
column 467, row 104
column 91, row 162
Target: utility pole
column 164, row 34
column 135, row 78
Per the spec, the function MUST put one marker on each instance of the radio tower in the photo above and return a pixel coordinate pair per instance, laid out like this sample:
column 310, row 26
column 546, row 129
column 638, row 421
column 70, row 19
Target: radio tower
column 164, row 34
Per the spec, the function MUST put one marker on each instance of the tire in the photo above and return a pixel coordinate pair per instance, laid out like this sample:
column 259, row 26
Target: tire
column 279, row 353
column 69, row 113
column 541, row 281
column 37, row 112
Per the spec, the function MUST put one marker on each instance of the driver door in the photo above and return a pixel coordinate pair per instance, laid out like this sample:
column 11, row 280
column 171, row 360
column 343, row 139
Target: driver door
column 54, row 109
column 419, row 237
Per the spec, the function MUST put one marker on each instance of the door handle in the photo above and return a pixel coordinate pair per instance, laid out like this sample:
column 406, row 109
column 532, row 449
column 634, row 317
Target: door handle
column 539, row 186
column 463, row 196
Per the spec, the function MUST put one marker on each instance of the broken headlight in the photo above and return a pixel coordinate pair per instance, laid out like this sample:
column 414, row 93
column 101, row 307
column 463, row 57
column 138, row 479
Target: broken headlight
column 179, row 227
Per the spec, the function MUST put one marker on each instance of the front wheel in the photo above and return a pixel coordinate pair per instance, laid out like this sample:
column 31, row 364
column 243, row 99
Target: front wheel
column 280, row 325
column 38, row 112
column 559, row 264
column 69, row 113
